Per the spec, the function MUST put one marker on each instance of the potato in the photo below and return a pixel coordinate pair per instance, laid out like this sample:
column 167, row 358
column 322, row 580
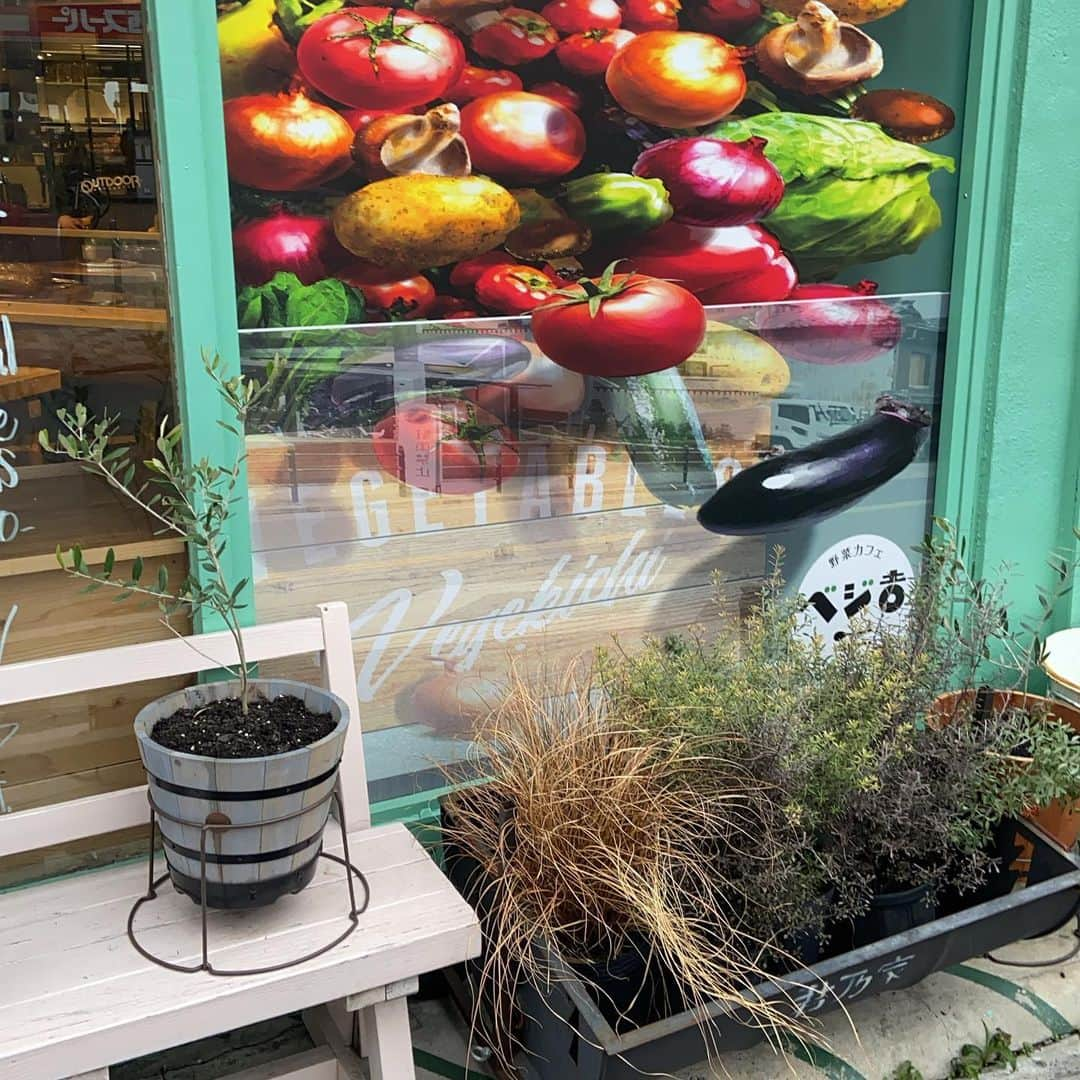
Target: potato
column 409, row 223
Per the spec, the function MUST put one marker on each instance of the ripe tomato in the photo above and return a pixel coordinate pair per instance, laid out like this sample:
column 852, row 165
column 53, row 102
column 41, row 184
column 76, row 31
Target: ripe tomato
column 467, row 272
column 445, row 445
column 590, row 53
column 559, row 92
column 642, row 15
column 477, row 81
column 624, row 324
column 522, row 137
column 728, row 18
column 358, row 119
column 677, row 79
column 405, row 298
column 380, row 57
column 574, row 16
column 515, row 289
column 515, row 36
column 453, row 307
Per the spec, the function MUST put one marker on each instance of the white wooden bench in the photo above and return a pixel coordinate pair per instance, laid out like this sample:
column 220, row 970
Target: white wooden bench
column 76, row 997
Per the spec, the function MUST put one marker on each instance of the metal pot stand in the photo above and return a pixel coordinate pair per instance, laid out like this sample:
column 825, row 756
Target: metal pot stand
column 211, row 828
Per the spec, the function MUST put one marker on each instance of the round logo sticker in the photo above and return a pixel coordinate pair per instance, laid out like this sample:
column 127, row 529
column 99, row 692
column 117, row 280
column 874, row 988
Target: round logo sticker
column 862, row 575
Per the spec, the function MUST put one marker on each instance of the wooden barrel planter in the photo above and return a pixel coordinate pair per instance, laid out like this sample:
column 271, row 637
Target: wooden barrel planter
column 284, row 799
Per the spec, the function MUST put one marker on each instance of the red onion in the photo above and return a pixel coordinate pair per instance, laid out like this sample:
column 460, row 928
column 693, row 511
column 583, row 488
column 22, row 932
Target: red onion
column 303, row 245
column 714, row 181
column 832, row 325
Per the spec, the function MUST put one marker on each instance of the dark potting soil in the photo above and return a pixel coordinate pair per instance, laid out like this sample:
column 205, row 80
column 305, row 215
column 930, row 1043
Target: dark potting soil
column 221, row 730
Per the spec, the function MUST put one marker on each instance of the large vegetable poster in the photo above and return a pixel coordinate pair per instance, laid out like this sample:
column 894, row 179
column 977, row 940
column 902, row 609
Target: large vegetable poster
column 566, row 307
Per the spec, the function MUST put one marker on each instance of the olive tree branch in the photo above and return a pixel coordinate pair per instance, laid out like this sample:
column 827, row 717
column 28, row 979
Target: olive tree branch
column 194, row 502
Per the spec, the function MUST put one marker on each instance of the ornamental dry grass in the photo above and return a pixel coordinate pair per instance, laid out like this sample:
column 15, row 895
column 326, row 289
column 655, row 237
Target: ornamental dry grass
column 593, row 836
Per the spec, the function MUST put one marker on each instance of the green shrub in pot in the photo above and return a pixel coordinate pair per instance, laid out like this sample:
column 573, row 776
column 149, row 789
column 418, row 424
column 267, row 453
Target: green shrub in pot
column 245, row 751
column 878, row 793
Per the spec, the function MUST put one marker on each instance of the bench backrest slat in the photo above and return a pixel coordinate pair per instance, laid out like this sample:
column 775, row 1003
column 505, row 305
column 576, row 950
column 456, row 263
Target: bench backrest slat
column 327, row 637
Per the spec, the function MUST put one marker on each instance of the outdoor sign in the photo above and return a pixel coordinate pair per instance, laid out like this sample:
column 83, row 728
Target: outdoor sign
column 107, row 22
column 865, row 577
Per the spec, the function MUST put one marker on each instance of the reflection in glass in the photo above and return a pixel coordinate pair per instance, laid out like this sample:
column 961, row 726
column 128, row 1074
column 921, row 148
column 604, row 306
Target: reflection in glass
column 593, row 535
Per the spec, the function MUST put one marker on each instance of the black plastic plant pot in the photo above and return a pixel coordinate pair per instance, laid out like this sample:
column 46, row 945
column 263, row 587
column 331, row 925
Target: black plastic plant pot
column 893, row 913
column 566, row 1035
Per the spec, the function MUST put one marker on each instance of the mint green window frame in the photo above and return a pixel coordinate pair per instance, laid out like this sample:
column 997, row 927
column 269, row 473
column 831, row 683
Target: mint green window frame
column 1009, row 458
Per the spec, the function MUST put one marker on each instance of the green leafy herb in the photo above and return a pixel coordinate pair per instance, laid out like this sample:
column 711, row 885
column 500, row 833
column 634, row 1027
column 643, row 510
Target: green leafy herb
column 295, row 16
column 314, row 313
column 854, row 194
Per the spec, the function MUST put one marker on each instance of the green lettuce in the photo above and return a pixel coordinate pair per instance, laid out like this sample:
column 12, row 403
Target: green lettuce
column 854, row 194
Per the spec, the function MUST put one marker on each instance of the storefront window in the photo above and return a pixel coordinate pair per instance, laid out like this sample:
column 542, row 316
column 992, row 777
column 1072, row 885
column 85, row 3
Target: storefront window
column 83, row 313
column 475, row 501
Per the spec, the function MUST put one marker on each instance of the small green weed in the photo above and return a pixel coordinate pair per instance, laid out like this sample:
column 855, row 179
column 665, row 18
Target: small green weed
column 905, row 1071
column 996, row 1050
column 969, row 1064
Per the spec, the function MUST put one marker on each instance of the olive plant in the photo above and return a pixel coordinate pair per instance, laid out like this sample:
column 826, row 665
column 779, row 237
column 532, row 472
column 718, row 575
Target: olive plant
column 192, row 501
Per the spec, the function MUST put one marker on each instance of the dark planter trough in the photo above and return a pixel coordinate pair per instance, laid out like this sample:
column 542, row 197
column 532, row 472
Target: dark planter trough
column 566, row 1036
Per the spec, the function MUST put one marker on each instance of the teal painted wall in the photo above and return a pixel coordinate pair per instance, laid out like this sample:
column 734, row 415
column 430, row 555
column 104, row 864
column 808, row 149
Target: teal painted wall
column 194, row 187
column 1011, row 452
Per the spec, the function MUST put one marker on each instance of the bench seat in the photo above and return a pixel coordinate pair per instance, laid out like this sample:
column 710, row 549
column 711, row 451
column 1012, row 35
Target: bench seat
column 75, row 996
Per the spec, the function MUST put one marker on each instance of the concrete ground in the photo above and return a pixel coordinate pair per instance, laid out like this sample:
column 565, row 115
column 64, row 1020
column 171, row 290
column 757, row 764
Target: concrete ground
column 926, row 1025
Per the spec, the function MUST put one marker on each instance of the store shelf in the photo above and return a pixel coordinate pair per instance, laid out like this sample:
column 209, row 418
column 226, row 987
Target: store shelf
column 83, row 315
column 58, row 505
column 28, row 382
column 80, row 234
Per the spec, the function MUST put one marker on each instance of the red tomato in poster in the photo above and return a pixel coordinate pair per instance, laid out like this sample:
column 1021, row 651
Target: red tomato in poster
column 358, row 119
column 642, row 15
column 559, row 92
column 522, row 137
column 642, row 324
column 467, row 272
column 742, row 264
column 728, row 18
column 574, row 16
column 445, row 445
column 405, row 298
column 380, row 57
column 590, row 53
column 514, row 289
column 454, row 307
column 515, row 36
column 677, row 79
column 477, row 81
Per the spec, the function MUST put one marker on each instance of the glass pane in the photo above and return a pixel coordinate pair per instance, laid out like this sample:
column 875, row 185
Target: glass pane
column 579, row 525
column 370, row 264
column 84, row 320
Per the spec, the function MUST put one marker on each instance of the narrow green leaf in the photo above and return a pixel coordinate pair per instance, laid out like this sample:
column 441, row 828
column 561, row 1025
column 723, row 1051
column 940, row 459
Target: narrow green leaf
column 136, row 568
column 110, row 561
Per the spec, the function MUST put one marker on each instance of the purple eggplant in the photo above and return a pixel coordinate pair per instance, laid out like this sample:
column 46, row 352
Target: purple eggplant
column 818, row 480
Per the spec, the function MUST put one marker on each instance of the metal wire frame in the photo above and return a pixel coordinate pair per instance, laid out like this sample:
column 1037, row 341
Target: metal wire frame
column 206, row 828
